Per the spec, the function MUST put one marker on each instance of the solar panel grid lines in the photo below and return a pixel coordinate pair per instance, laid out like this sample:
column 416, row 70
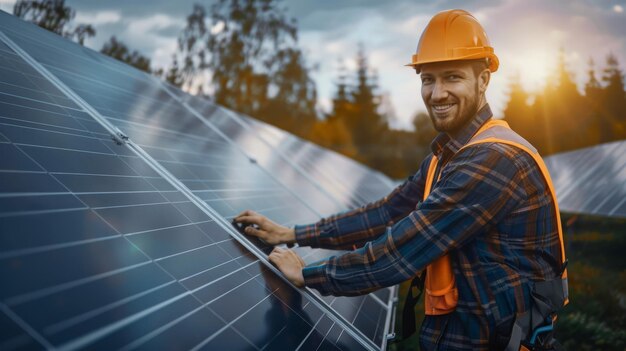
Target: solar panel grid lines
column 152, row 180
column 591, row 180
column 45, row 73
column 313, row 295
column 349, row 177
column 7, row 140
column 321, row 179
column 585, row 163
column 253, row 148
column 328, row 203
column 234, row 144
column 609, row 196
column 145, row 147
column 222, row 213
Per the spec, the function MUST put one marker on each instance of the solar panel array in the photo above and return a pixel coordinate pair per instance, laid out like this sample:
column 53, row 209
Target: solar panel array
column 116, row 195
column 591, row 180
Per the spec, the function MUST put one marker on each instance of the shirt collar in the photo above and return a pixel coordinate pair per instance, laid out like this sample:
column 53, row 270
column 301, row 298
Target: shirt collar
column 444, row 145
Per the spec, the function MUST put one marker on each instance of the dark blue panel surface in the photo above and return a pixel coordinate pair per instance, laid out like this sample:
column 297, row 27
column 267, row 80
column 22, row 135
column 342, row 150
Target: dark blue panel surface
column 106, row 273
column 13, row 337
column 153, row 264
column 339, row 174
column 324, row 201
column 199, row 156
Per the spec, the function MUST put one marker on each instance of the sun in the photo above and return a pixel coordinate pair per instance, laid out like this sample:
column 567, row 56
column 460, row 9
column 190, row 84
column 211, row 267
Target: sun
column 534, row 69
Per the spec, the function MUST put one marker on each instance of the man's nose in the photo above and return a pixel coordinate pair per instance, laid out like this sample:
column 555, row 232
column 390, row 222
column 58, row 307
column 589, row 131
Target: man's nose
column 440, row 92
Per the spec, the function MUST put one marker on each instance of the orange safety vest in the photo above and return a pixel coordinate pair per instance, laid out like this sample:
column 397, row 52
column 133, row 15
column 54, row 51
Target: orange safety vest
column 440, row 292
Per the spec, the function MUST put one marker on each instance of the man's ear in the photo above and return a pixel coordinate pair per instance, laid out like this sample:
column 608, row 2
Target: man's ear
column 483, row 80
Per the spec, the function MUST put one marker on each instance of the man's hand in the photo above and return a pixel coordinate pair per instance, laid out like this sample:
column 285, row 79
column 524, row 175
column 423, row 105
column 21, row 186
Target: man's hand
column 267, row 230
column 290, row 264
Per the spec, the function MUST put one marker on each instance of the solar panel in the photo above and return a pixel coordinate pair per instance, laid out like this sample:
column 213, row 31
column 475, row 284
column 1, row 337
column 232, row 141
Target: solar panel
column 366, row 310
column 150, row 254
column 272, row 156
column 591, row 180
column 261, row 152
column 339, row 172
column 176, row 150
column 146, row 268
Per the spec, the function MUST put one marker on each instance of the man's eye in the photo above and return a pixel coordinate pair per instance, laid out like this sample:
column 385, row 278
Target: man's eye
column 453, row 77
column 427, row 80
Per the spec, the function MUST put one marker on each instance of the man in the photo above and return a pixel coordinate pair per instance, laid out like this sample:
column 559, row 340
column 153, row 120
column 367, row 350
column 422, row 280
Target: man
column 478, row 215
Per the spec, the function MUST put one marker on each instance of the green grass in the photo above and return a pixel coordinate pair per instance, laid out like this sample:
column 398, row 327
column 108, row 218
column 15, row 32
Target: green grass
column 595, row 319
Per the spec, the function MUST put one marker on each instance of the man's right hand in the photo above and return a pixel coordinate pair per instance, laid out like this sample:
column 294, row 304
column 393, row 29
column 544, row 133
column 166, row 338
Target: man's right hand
column 268, row 231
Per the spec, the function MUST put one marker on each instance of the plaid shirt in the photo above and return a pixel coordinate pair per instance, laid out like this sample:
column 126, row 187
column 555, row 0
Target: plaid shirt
column 491, row 211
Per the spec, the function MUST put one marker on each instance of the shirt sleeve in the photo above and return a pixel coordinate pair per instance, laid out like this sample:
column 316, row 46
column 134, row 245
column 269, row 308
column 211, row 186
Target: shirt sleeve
column 477, row 188
column 354, row 228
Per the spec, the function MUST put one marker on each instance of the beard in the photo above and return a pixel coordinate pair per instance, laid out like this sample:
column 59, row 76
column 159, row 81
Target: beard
column 458, row 118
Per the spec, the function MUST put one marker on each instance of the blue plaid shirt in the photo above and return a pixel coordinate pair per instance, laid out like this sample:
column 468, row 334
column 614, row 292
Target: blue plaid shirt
column 491, row 211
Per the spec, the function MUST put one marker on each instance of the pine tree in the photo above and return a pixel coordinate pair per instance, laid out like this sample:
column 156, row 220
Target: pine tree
column 594, row 116
column 518, row 113
column 342, row 105
column 332, row 132
column 541, row 138
column 563, row 111
column 366, row 122
column 614, row 99
column 592, row 87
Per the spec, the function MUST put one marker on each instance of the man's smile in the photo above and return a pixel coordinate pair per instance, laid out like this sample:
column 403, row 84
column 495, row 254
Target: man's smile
column 442, row 109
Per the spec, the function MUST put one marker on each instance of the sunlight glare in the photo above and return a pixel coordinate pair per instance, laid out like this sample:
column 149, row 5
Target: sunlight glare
column 534, row 69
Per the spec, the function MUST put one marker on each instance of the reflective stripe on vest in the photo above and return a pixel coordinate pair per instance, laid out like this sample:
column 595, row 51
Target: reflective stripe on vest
column 440, row 292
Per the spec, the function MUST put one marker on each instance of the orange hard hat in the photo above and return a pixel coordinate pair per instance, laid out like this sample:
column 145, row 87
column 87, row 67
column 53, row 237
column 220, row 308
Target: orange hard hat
column 453, row 35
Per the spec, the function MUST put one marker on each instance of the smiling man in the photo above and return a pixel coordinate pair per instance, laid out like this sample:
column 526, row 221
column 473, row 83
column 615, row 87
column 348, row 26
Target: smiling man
column 477, row 226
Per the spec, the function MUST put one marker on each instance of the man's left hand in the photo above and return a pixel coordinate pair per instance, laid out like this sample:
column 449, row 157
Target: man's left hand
column 290, row 264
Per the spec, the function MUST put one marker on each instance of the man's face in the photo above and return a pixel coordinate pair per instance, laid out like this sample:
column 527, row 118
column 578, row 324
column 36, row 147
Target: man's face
column 452, row 93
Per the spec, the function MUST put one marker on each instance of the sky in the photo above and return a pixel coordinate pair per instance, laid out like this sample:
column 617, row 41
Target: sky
column 526, row 35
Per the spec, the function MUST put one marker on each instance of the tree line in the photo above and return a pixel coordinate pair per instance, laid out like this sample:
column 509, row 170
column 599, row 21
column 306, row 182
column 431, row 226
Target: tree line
column 244, row 55
column 560, row 118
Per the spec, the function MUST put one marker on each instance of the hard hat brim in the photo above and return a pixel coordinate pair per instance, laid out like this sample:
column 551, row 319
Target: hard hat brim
column 494, row 63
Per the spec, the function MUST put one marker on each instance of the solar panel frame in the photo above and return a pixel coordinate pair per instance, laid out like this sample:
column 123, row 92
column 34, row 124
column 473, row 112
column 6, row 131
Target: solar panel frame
column 121, row 136
column 6, row 311
column 591, row 180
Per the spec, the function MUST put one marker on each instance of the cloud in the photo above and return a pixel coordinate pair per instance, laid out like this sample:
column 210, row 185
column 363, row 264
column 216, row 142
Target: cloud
column 154, row 36
column 7, row 5
column 135, row 8
column 147, row 25
column 98, row 18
